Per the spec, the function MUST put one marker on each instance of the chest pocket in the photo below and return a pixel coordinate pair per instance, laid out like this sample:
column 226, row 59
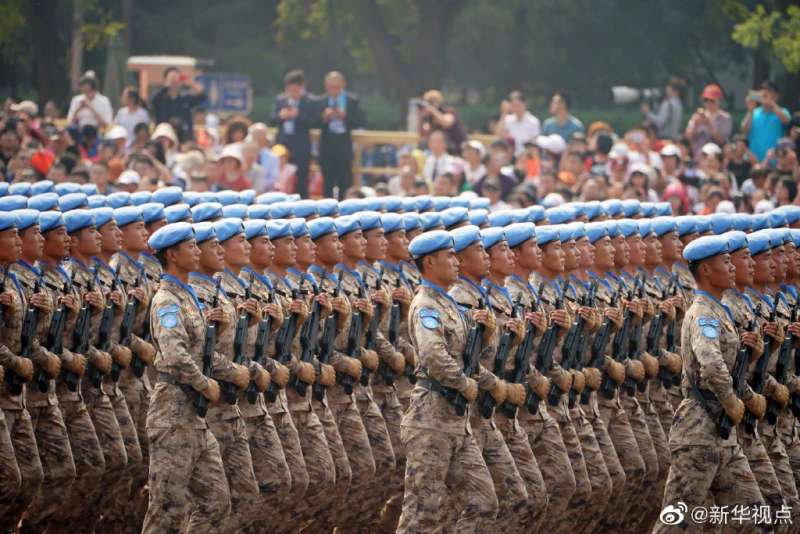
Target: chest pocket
column 728, row 343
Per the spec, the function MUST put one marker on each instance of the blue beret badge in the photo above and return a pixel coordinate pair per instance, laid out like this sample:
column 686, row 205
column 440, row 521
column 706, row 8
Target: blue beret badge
column 709, row 326
column 429, row 318
column 168, row 315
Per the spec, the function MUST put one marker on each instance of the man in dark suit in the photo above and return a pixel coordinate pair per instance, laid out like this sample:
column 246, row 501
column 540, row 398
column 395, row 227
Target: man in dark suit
column 293, row 114
column 338, row 114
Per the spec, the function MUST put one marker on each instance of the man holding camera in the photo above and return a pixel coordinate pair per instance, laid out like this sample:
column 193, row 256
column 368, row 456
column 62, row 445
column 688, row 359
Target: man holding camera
column 174, row 102
column 764, row 124
column 434, row 115
column 710, row 123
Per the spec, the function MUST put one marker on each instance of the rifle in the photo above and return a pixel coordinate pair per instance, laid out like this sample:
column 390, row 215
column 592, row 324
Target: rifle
column 308, row 343
column 522, row 364
column 14, row 382
column 471, row 358
column 104, row 337
column 54, row 341
column 200, row 403
column 759, row 379
column 583, row 341
column 599, row 345
column 229, row 390
column 283, row 347
column 569, row 350
column 353, row 346
column 126, row 329
column 80, row 336
column 782, row 368
column 260, row 349
column 326, row 343
column 635, row 350
column 486, row 402
column 544, row 356
column 372, row 333
column 607, row 386
column 384, row 370
column 667, row 379
column 739, row 379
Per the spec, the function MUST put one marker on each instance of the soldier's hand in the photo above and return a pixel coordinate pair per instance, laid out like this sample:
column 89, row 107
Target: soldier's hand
column 241, row 376
column 402, row 295
column 116, row 297
column 7, row 300
column 667, row 309
column 518, row 328
column 51, row 365
column 306, row 372
column 342, row 307
column 280, row 375
column 262, row 379
column 23, row 367
column 674, row 363
column 102, row 361
column 77, row 364
column 94, row 299
column 42, row 301
column 635, row 370
column 588, row 316
column 616, row 371
column 327, row 375
column 398, row 363
column 734, row 407
column 139, row 294
column 541, row 386
column 70, row 303
column 300, row 308
column 780, row 394
column 565, row 380
column 775, row 331
column 757, row 405
column 411, row 358
column 678, row 302
column 755, row 342
column 649, row 308
column 471, row 391
column 593, row 377
column 538, row 319
column 499, row 391
column 212, row 391
column 515, row 394
column 380, row 297
column 370, row 360
column 635, row 307
column 253, row 310
column 2, row 373
column 217, row 315
column 145, row 351
column 486, row 318
column 275, row 311
column 615, row 316
column 650, row 365
column 122, row 355
column 354, row 368
column 325, row 303
column 578, row 381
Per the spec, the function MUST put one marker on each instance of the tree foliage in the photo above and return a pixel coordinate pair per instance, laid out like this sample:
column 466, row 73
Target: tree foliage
column 777, row 31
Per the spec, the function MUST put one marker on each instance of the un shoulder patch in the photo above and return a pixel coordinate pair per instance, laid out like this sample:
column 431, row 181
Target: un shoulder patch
column 709, row 327
column 168, row 315
column 429, row 318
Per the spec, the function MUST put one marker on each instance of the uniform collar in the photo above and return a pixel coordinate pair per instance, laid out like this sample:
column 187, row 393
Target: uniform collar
column 715, row 300
column 186, row 287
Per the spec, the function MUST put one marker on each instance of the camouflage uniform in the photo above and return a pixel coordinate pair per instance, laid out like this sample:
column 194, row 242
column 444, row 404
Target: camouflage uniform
column 186, row 477
column 702, row 461
column 18, row 420
column 686, row 288
column 442, row 456
column 9, row 471
column 225, row 420
column 84, row 444
column 48, row 423
column 789, row 427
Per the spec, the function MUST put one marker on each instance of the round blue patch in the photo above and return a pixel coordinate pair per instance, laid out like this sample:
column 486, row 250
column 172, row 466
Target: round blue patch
column 429, row 318
column 169, row 320
column 710, row 332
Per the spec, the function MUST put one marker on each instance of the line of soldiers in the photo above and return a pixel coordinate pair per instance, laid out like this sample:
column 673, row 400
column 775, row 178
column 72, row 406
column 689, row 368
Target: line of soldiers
column 226, row 362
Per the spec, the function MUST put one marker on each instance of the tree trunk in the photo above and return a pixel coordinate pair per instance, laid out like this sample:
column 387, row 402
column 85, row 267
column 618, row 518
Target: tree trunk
column 47, row 39
column 760, row 68
column 76, row 46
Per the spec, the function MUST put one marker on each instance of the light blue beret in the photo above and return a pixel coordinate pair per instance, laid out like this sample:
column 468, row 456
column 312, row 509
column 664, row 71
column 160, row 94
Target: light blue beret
column 258, row 211
column 255, row 228
column 631, row 207
column 759, row 222
column 736, row 240
column 409, row 204
column 594, row 209
column 89, row 189
column 612, row 206
column 780, row 236
column 792, row 213
column 411, row 221
column 152, row 212
column 627, row 227
column 13, row 202
column 430, row 242
column 299, row 227
column 368, row 220
column 238, row 211
column 465, row 237
column 647, row 209
column 564, row 233
column 204, row 231
column 578, row 207
column 424, row 203
column 20, row 188
column 596, row 231
column 191, row 198
column 518, row 233
column 293, row 197
column 392, row 222
column 546, row 234
column 702, row 223
column 42, row 186
column 560, row 214
column 612, row 228
column 69, row 201
column 207, row 211
column 578, row 230
column 281, row 210
column 248, row 196
column 271, row 197
column 374, row 204
column 479, row 203
column 328, row 207
column 97, row 201
column 227, row 197
column 347, row 224
column 178, row 212
column 127, row 215
column 777, row 218
column 43, row 201
column 757, row 242
column 454, row 216
column 705, row 247
column 462, row 202
column 687, row 224
column 720, row 223
column 431, row 220
column 50, row 220
column 305, row 209
column 536, row 214
column 501, row 218
column 102, row 215
column 208, row 196
column 440, row 203
column 143, row 197
column 7, row 220
column 3, row 188
column 79, row 219
column 479, row 217
column 65, row 188
column 740, row 221
column 352, row 205
column 119, row 199
column 168, row 195
column 492, row 236
column 795, row 236
column 26, row 218
column 664, row 225
column 228, row 228
column 278, row 229
column 170, row 235
column 663, row 209
column 320, row 227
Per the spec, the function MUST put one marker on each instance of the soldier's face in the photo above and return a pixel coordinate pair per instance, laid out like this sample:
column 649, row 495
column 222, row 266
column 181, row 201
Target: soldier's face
column 603, row 254
column 397, row 245
column 355, row 246
column 237, row 251
column 110, row 237
column 528, row 255
column 212, row 257
column 779, row 257
column 10, row 246
column 134, row 236
column 621, row 251
column 585, row 252
column 474, row 261
column 720, row 271
column 442, row 267
column 86, row 241
column 744, row 265
column 652, row 250
column 285, row 251
column 57, row 243
column 764, row 268
column 570, row 256
column 32, row 243
column 187, row 255
column 636, row 249
column 411, row 234
column 501, row 259
column 791, row 260
column 376, row 244
column 261, row 252
column 671, row 247
column 329, row 249
column 553, row 257
column 306, row 250
column 688, row 238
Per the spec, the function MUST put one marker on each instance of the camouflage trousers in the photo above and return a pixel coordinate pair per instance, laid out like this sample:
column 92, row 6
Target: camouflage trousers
column 234, row 448
column 23, row 440
column 57, row 462
column 762, row 464
column 392, row 411
column 185, row 477
column 791, row 443
column 133, row 502
column 699, row 471
column 647, row 497
column 385, row 464
column 649, row 511
column 443, row 466
column 581, row 500
column 272, row 473
column 9, row 471
column 343, row 473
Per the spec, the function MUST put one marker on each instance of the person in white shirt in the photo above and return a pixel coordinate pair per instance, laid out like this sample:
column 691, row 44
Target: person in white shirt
column 474, row 152
column 517, row 122
column 90, row 107
column 132, row 112
column 438, row 161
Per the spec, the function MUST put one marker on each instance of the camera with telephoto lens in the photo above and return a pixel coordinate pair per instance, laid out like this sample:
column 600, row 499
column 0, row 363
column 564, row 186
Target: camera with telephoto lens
column 623, row 95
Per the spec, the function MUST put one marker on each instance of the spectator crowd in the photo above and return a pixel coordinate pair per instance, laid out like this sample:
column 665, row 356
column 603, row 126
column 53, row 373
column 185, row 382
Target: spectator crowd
column 707, row 163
